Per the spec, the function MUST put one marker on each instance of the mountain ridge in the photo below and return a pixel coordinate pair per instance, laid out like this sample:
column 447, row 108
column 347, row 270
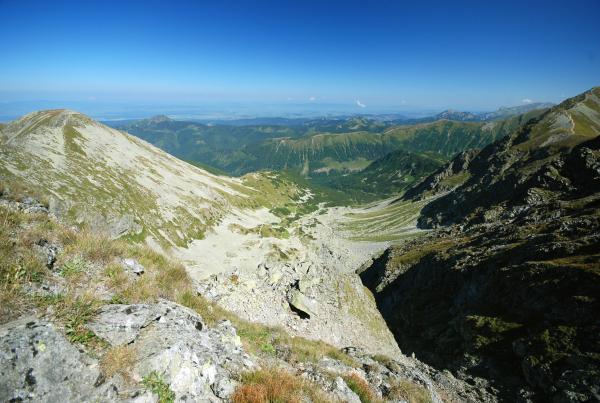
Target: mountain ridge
column 502, row 113
column 504, row 285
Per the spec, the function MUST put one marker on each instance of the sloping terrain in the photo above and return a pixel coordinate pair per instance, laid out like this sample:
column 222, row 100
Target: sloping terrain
column 321, row 157
column 182, row 138
column 319, row 152
column 87, row 318
column 102, row 178
column 508, row 288
column 389, row 175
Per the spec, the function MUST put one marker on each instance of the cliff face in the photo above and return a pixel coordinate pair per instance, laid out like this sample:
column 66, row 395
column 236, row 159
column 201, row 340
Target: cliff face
column 508, row 288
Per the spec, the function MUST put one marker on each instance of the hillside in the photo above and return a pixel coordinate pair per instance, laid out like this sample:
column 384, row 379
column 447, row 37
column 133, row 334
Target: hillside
column 182, row 138
column 507, row 288
column 321, row 157
column 102, row 178
column 87, row 318
column 390, row 175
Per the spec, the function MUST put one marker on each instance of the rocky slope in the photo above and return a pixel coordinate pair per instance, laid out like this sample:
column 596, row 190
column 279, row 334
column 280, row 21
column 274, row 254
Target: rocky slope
column 102, row 178
column 308, row 300
column 507, row 288
column 551, row 156
column 86, row 318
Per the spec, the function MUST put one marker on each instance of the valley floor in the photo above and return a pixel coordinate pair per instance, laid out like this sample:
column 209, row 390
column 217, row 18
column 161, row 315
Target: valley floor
column 340, row 237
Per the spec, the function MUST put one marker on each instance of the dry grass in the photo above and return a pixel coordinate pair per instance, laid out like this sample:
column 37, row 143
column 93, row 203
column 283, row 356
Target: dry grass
column 361, row 388
column 273, row 385
column 409, row 392
column 15, row 190
column 120, row 360
column 95, row 247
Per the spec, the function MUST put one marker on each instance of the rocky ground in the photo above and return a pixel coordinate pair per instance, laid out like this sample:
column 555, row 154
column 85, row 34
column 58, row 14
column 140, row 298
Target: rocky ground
column 90, row 319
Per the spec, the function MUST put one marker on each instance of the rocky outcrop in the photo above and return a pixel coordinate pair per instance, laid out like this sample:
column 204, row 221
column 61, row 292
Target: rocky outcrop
column 308, row 300
column 38, row 363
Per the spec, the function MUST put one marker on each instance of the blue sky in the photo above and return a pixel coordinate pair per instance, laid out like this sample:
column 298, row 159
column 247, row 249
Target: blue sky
column 476, row 55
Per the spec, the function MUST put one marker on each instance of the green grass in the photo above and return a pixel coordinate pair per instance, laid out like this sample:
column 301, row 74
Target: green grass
column 156, row 383
column 395, row 222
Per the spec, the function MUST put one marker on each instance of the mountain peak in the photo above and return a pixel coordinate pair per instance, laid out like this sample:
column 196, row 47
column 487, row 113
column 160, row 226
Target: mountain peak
column 156, row 119
column 451, row 114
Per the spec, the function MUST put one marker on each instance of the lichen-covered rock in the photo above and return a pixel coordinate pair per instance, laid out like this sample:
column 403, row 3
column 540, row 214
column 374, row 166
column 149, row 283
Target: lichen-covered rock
column 38, row 364
column 171, row 339
column 120, row 324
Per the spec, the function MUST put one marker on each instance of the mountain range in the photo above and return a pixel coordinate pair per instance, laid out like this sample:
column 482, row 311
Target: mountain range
column 478, row 251
column 320, row 153
column 506, row 286
column 500, row 114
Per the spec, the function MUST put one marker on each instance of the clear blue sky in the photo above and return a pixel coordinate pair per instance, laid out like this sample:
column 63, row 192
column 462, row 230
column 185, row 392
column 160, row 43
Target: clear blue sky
column 465, row 55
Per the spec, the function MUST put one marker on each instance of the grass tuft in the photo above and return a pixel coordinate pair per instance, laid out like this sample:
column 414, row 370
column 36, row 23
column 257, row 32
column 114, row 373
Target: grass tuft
column 270, row 385
column 408, row 392
column 361, row 388
column 119, row 360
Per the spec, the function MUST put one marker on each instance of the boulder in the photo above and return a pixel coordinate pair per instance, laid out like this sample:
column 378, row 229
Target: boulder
column 302, row 302
column 134, row 266
column 37, row 363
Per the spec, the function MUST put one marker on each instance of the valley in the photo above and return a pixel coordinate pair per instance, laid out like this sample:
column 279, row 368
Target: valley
column 464, row 252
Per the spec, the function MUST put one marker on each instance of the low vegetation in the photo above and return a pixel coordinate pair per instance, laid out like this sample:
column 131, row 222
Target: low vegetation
column 87, row 265
column 277, row 386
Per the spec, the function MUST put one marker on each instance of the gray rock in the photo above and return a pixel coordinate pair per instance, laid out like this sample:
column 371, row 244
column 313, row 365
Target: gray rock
column 200, row 365
column 133, row 266
column 343, row 392
column 48, row 252
column 120, row 324
column 223, row 386
column 38, row 364
column 319, row 305
column 171, row 339
column 302, row 302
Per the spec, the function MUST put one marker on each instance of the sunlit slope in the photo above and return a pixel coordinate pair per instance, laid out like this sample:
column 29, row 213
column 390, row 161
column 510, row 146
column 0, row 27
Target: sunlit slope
column 541, row 160
column 389, row 175
column 506, row 284
column 182, row 138
column 103, row 178
column 326, row 155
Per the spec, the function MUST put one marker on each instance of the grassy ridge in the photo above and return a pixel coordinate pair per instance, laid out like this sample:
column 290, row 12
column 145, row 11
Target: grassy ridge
column 317, row 155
